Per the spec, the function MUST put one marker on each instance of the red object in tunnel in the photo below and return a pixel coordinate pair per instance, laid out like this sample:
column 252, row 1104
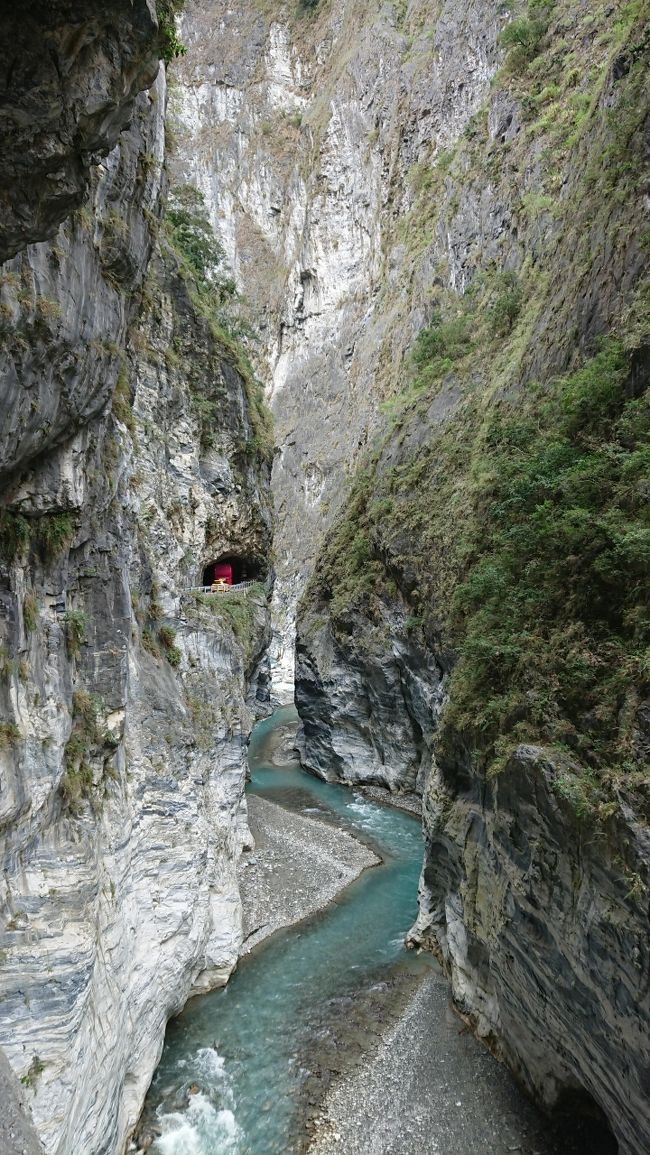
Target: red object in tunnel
column 223, row 572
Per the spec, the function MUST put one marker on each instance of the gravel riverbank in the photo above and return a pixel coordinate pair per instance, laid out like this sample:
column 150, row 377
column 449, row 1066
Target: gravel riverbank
column 430, row 1087
column 298, row 866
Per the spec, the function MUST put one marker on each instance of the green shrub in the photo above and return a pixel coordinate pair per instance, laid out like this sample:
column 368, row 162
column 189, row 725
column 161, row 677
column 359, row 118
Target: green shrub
column 150, row 644
column 30, row 612
column 167, row 637
column 551, row 617
column 192, row 235
column 447, row 340
column 75, row 631
column 77, row 779
column 170, row 45
column 507, row 307
column 36, row 1068
column 523, row 38
column 122, row 405
column 15, row 532
column 53, row 533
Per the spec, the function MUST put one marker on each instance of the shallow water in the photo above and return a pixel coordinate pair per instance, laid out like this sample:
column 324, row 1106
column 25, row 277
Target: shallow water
column 244, row 1047
column 242, row 1067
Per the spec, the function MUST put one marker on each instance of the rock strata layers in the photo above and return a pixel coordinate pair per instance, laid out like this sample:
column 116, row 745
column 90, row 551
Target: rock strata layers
column 517, row 897
column 126, row 700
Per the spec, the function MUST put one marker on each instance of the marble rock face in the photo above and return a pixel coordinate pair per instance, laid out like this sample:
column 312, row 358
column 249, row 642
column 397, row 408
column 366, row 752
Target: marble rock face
column 126, row 703
column 301, row 134
column 71, row 76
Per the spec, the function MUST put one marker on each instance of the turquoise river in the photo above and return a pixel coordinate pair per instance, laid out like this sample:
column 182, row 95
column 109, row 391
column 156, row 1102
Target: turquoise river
column 233, row 1072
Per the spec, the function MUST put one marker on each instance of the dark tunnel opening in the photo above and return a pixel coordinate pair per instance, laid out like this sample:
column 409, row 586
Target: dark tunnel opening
column 231, row 570
column 583, row 1125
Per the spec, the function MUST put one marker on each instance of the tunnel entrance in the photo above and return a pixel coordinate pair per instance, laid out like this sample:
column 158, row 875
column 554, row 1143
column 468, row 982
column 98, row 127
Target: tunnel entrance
column 231, row 570
column 582, row 1124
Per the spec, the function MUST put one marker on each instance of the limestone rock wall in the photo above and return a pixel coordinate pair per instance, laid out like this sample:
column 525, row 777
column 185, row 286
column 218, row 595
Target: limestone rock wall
column 303, row 128
column 126, row 702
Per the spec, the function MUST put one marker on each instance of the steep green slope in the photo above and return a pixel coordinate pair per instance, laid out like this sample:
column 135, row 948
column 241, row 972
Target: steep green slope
column 507, row 501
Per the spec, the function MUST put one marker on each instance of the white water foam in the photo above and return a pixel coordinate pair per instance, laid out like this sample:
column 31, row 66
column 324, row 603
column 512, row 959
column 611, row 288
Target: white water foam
column 203, row 1128
column 210, row 1065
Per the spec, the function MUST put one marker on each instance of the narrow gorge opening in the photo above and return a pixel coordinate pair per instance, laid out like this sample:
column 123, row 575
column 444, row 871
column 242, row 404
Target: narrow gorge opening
column 325, row 381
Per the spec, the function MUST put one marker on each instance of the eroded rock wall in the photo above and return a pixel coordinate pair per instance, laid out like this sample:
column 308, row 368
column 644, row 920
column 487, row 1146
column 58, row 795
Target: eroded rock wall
column 126, row 701
column 525, row 241
column 540, row 920
column 302, row 128
column 70, row 76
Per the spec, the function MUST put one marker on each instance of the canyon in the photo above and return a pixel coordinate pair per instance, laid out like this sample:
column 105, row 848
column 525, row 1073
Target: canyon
column 420, row 232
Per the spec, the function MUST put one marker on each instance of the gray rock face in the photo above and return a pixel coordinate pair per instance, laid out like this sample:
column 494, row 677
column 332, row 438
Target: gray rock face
column 70, row 75
column 305, row 133
column 66, row 306
column 16, row 1132
column 126, row 703
column 369, row 716
column 517, row 897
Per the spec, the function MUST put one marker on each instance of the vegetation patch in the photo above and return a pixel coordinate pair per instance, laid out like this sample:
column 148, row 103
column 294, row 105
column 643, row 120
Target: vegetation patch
column 167, row 638
column 513, row 516
column 35, row 1069
column 30, row 612
column 52, row 535
column 199, row 257
column 150, row 644
column 238, row 612
column 523, row 37
column 15, row 532
column 170, row 45
column 552, row 617
column 77, row 780
column 75, row 622
column 9, row 735
column 122, row 406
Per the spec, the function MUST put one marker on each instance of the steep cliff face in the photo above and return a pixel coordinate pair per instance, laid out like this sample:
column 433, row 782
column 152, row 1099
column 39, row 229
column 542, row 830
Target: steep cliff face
column 70, row 75
column 130, row 459
column 474, row 623
column 301, row 127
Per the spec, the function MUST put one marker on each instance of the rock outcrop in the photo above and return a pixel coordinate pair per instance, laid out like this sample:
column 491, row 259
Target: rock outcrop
column 130, row 459
column 368, row 716
column 70, row 77
column 540, row 920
